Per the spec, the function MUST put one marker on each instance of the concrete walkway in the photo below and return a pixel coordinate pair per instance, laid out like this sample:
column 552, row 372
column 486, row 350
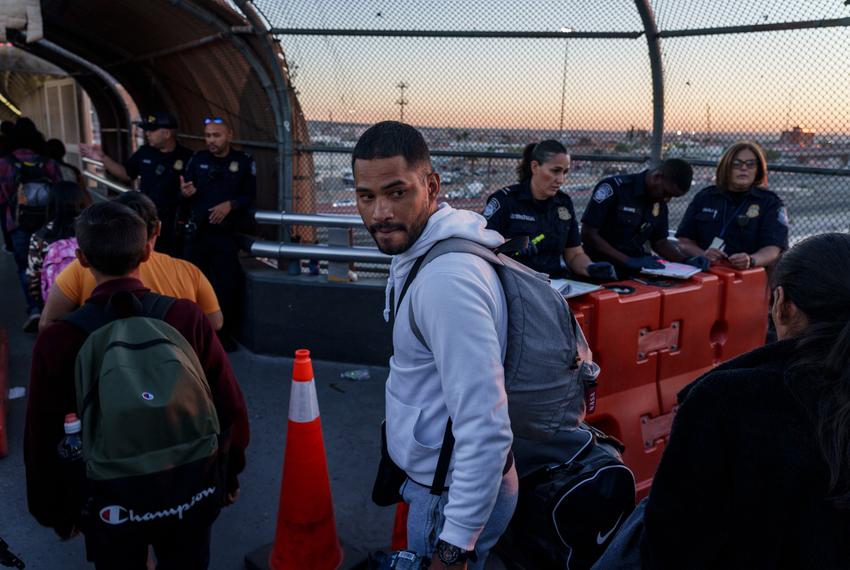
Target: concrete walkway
column 351, row 415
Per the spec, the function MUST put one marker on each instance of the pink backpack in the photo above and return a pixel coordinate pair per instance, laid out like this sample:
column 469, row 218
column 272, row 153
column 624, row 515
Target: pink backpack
column 58, row 256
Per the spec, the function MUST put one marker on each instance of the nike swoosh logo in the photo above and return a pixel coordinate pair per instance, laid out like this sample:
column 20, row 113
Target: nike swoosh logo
column 601, row 538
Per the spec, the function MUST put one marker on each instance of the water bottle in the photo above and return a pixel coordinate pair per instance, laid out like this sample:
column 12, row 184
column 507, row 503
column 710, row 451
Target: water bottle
column 72, row 470
column 71, row 446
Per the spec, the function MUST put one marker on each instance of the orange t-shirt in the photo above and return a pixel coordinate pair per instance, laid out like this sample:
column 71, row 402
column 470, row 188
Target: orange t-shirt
column 161, row 273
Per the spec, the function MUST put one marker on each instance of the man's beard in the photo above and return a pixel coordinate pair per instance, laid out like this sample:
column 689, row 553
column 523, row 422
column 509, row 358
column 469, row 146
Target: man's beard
column 413, row 234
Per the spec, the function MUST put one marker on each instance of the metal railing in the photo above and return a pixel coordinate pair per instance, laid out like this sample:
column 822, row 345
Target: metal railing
column 281, row 250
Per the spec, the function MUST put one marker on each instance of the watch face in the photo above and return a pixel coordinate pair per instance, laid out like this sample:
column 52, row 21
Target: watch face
column 449, row 554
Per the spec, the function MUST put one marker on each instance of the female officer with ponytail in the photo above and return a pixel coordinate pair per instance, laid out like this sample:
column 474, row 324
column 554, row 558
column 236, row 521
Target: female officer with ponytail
column 756, row 473
column 536, row 208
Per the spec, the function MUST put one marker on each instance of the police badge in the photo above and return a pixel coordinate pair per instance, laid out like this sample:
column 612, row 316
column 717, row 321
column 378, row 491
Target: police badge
column 178, row 164
column 564, row 213
column 753, row 211
column 656, row 209
column 234, row 166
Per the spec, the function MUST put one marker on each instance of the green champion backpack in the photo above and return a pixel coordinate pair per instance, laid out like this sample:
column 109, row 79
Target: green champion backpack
column 150, row 431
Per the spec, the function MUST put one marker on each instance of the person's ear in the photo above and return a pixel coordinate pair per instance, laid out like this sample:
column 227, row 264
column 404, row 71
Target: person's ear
column 535, row 166
column 157, row 231
column 81, row 257
column 147, row 253
column 433, row 186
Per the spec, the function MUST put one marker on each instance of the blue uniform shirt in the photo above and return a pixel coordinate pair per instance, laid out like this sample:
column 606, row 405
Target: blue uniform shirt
column 513, row 212
column 218, row 180
column 625, row 216
column 758, row 220
column 159, row 174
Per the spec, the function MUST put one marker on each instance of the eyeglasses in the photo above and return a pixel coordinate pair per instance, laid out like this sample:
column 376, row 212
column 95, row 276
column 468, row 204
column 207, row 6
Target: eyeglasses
column 216, row 120
column 738, row 164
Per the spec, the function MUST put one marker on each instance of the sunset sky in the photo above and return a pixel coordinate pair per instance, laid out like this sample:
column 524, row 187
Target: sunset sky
column 750, row 81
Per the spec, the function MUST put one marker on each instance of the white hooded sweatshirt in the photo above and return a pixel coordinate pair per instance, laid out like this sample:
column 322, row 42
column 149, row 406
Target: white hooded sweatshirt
column 460, row 309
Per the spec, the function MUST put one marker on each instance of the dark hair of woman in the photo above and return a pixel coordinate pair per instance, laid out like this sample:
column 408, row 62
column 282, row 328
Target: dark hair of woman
column 813, row 276
column 541, row 153
column 67, row 200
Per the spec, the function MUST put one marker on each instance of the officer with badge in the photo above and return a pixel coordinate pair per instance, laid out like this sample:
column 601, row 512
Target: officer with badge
column 158, row 166
column 219, row 187
column 738, row 220
column 628, row 212
column 537, row 208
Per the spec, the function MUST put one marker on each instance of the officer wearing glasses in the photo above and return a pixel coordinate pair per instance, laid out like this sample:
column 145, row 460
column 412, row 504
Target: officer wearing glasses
column 158, row 166
column 218, row 188
column 738, row 220
column 628, row 212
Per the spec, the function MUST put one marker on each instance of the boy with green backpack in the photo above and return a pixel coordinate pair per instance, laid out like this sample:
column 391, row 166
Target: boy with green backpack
column 164, row 423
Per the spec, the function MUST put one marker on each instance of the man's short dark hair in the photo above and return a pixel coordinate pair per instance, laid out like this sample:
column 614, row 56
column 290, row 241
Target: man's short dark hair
column 391, row 138
column 112, row 237
column 143, row 206
column 678, row 172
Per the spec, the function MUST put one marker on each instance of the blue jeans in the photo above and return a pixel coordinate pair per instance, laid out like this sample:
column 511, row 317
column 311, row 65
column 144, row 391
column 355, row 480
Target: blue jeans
column 21, row 246
column 425, row 519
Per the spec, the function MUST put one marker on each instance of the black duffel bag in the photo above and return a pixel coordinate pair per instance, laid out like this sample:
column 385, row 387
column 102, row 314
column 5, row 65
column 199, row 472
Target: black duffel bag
column 569, row 508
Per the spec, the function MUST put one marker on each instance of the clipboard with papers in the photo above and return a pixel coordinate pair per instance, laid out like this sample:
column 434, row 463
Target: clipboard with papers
column 569, row 288
column 673, row 270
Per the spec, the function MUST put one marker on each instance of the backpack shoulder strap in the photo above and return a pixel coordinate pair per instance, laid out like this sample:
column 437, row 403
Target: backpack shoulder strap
column 451, row 245
column 92, row 316
column 156, row 306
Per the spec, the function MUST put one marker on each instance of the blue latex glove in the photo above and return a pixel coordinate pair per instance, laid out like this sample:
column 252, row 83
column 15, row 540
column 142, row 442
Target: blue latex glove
column 602, row 271
column 646, row 261
column 699, row 261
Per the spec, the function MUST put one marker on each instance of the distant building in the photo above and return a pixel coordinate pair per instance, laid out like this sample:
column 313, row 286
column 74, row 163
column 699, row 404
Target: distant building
column 797, row 137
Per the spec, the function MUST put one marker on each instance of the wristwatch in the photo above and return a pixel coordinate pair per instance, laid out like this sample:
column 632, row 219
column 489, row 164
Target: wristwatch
column 451, row 555
column 750, row 262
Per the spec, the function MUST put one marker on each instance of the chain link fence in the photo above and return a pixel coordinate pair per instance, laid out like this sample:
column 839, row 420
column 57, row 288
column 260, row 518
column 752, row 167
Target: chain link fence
column 482, row 79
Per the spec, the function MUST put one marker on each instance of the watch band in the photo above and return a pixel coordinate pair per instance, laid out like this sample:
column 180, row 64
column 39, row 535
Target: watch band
column 450, row 554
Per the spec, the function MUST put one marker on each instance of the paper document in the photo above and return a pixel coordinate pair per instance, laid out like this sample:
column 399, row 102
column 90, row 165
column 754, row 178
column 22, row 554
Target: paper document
column 674, row 270
column 569, row 288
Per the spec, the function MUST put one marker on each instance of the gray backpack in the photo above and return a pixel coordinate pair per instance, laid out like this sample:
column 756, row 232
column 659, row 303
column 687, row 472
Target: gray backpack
column 549, row 368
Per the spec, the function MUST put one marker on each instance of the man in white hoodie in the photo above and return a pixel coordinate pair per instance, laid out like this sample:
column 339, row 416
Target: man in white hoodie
column 459, row 306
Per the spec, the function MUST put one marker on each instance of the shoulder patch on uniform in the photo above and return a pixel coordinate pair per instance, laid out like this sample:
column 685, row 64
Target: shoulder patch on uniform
column 602, row 193
column 783, row 216
column 492, row 207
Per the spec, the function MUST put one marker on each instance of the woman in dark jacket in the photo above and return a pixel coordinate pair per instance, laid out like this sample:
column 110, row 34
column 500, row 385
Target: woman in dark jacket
column 757, row 470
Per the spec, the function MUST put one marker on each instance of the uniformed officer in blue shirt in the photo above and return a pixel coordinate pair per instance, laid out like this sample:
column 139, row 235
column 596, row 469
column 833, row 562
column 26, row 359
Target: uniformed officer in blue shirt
column 537, row 208
column 629, row 211
column 158, row 166
column 737, row 220
column 219, row 188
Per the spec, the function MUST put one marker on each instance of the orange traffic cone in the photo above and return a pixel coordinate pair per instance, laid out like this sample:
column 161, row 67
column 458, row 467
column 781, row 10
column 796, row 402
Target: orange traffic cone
column 306, row 530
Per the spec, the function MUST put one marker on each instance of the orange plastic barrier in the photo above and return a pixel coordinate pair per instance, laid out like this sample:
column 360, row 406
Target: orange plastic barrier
column 628, row 383
column 4, row 390
column 689, row 310
column 652, row 341
column 742, row 322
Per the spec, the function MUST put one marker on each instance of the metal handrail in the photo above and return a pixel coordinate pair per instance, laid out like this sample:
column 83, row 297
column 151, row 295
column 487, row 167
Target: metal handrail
column 322, row 220
column 93, row 162
column 280, row 250
column 106, row 182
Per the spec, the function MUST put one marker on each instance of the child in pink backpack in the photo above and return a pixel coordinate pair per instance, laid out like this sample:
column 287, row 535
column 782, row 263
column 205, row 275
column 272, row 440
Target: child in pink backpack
column 54, row 246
